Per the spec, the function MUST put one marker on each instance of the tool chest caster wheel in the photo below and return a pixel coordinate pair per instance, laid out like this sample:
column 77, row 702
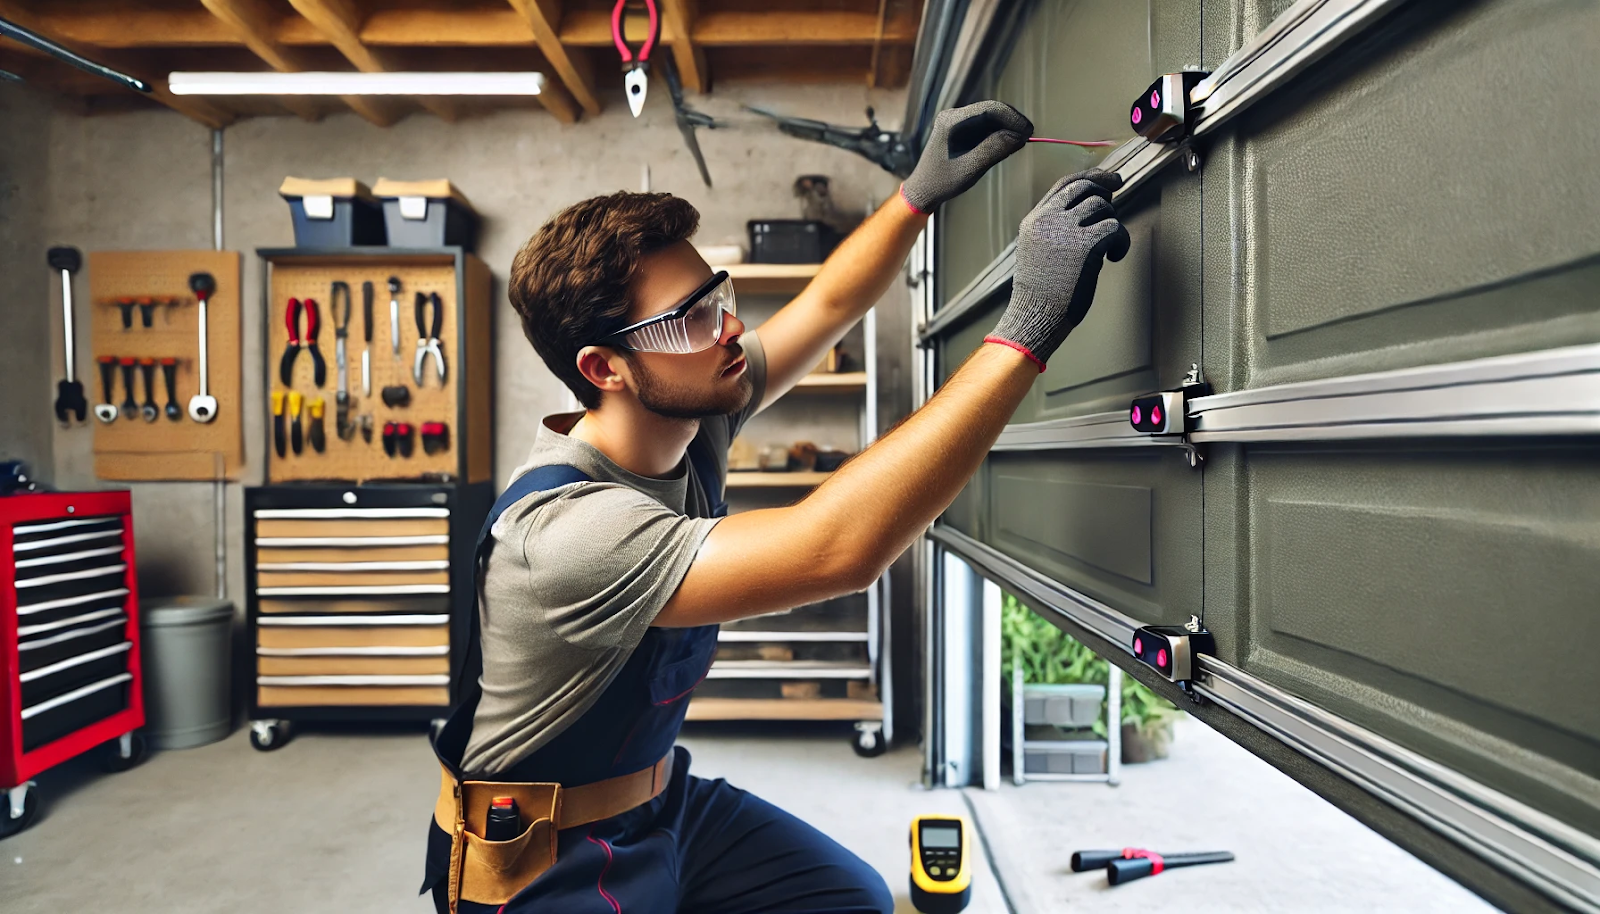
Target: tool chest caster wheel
column 267, row 735
column 123, row 753
column 868, row 741
column 19, row 807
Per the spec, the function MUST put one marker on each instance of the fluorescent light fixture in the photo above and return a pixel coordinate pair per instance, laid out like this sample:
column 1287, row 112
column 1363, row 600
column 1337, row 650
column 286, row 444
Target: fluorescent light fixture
column 202, row 83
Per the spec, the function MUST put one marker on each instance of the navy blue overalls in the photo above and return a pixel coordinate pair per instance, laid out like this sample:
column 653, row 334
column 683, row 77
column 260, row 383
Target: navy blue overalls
column 701, row 846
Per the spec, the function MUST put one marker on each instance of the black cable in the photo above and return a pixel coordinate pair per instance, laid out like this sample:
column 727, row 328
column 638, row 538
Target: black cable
column 21, row 35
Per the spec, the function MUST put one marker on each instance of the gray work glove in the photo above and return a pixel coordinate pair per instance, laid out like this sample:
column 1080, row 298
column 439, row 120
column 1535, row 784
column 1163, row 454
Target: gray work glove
column 1059, row 252
column 964, row 143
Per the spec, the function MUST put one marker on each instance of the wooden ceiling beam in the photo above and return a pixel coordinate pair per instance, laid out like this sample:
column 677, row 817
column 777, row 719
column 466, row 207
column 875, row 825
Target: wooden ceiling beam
column 195, row 108
column 252, row 21
column 679, row 19
column 340, row 23
column 541, row 17
column 479, row 27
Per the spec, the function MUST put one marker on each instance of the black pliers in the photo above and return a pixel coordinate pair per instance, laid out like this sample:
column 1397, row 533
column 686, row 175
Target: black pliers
column 319, row 367
column 428, row 339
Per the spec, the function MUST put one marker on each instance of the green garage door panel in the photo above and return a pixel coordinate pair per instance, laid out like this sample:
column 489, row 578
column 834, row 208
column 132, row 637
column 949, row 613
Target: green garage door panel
column 1447, row 598
column 1071, row 68
column 1428, row 196
column 1120, row 526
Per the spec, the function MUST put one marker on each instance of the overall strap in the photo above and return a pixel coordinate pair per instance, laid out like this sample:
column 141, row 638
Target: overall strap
column 705, row 468
column 538, row 479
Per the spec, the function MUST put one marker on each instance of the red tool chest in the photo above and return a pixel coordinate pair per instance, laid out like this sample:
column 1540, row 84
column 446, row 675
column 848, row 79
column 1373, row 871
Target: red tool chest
column 69, row 638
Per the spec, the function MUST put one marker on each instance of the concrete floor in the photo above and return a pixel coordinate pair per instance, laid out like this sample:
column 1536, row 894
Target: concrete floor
column 333, row 822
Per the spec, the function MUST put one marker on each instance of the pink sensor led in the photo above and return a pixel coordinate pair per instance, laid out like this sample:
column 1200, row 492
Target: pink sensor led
column 1161, row 657
column 1138, row 115
column 1155, row 414
column 1138, row 414
column 1138, row 646
column 1155, row 98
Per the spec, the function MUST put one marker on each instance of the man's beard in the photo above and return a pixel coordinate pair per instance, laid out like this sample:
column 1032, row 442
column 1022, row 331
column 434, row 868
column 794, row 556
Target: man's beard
column 691, row 402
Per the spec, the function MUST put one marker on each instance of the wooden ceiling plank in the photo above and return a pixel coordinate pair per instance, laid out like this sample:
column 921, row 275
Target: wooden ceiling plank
column 195, row 108
column 679, row 16
column 589, row 28
column 251, row 21
column 559, row 102
column 542, row 18
column 750, row 28
column 339, row 22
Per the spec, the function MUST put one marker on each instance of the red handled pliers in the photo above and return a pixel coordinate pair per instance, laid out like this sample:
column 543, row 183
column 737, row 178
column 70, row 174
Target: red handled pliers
column 319, row 367
column 634, row 67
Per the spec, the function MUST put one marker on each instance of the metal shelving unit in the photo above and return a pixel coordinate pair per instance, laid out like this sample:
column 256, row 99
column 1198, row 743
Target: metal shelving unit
column 866, row 678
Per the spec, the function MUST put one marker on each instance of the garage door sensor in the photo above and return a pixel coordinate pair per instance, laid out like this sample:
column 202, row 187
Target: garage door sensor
column 1163, row 114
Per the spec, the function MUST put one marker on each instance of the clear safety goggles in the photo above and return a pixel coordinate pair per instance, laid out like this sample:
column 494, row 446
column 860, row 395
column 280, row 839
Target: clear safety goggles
column 694, row 325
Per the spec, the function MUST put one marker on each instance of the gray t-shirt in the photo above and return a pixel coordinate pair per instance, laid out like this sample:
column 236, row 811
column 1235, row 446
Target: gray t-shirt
column 575, row 578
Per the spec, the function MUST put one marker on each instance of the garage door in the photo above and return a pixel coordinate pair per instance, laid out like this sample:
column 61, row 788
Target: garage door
column 1385, row 265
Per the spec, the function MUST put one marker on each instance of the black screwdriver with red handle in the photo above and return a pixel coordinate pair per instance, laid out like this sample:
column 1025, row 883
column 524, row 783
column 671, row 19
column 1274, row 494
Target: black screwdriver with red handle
column 1132, row 863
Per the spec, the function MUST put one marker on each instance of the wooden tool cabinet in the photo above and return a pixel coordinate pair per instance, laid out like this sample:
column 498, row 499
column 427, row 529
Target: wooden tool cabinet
column 70, row 676
column 358, row 600
column 357, row 604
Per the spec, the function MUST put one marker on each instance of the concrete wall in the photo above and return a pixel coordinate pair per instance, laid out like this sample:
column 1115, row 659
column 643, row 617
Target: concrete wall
column 27, row 384
column 143, row 180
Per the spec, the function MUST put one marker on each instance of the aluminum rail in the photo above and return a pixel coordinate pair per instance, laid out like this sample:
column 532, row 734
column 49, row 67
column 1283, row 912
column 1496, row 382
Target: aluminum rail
column 1302, row 35
column 1096, row 430
column 1553, row 857
column 1552, row 392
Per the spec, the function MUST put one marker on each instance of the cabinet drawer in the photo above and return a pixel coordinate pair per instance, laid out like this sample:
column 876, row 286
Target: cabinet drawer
column 278, row 696
column 423, row 605
column 346, row 528
column 352, row 575
column 268, row 556
column 353, row 631
column 285, row 664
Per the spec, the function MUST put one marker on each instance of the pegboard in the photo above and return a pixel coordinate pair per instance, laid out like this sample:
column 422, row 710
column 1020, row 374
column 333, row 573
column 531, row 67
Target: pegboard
column 462, row 284
column 133, row 449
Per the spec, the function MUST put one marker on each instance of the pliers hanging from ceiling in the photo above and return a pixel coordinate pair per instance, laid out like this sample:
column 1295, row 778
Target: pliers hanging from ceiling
column 634, row 67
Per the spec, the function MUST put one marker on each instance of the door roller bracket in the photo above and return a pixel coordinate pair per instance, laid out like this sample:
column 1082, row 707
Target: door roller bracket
column 1165, row 413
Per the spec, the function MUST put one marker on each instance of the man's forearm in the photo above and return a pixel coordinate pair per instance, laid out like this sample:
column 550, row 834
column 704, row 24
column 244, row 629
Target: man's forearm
column 877, row 504
column 860, row 270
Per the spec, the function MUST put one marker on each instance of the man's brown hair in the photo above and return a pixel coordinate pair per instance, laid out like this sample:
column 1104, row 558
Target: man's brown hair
column 569, row 283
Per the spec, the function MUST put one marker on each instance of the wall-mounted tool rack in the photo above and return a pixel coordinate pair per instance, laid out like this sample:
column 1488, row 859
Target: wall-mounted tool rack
column 145, row 318
column 386, row 440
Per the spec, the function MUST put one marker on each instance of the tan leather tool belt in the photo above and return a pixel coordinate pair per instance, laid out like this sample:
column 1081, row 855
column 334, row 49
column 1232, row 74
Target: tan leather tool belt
column 492, row 872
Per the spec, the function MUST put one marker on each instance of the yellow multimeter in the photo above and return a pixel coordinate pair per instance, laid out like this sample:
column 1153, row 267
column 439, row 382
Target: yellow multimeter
column 941, row 864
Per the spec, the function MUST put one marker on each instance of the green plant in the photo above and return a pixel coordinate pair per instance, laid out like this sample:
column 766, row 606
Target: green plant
column 1050, row 656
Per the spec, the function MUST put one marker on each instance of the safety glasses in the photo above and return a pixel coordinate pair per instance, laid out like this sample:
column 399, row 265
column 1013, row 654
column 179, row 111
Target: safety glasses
column 694, row 325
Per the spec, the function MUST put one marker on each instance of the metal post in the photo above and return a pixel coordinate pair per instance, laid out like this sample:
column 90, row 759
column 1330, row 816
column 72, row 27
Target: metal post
column 989, row 685
column 1114, row 726
column 219, row 486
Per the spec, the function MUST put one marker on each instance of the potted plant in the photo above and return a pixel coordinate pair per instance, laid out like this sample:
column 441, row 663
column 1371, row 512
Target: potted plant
column 1050, row 656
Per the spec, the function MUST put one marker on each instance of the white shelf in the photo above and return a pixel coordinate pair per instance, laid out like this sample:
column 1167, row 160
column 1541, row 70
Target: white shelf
column 742, row 479
column 745, row 637
column 770, row 278
column 785, row 709
column 788, row 669
column 833, row 382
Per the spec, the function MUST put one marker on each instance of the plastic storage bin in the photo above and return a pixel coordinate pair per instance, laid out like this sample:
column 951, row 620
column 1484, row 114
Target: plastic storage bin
column 336, row 213
column 188, row 643
column 426, row 214
column 790, row 241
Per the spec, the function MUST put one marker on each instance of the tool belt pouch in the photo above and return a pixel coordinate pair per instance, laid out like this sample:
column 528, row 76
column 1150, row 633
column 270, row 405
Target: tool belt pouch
column 492, row 872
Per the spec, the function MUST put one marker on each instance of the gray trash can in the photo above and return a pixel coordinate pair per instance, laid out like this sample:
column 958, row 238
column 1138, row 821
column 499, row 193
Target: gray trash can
column 187, row 650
